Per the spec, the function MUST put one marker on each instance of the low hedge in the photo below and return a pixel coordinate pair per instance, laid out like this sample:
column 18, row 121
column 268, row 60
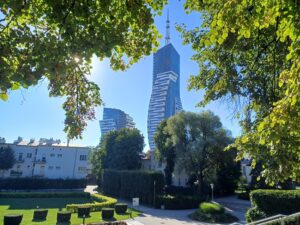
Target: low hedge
column 63, row 216
column 40, row 214
column 121, row 208
column 12, row 219
column 100, row 202
column 292, row 220
column 41, row 183
column 44, row 194
column 178, row 201
column 107, row 213
column 83, row 211
column 271, row 202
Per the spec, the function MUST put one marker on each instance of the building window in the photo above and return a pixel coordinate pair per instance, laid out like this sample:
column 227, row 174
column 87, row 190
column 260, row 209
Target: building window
column 50, row 168
column 20, row 158
column 29, row 155
column 58, row 167
column 82, row 157
column 59, row 155
column 81, row 169
column 52, row 155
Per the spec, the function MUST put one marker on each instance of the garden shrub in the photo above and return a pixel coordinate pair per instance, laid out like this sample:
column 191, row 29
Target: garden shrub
column 133, row 184
column 107, row 213
column 121, row 208
column 40, row 214
column 271, row 202
column 41, row 183
column 83, row 211
column 178, row 201
column 211, row 208
column 63, row 216
column 176, row 190
column 13, row 219
column 274, row 202
column 101, row 201
column 44, row 194
column 254, row 214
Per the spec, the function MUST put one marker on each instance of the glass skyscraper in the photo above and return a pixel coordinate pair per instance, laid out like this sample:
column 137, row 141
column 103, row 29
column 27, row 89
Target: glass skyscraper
column 115, row 119
column 165, row 97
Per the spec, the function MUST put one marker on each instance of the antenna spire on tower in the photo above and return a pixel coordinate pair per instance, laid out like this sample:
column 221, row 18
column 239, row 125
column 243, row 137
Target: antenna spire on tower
column 168, row 30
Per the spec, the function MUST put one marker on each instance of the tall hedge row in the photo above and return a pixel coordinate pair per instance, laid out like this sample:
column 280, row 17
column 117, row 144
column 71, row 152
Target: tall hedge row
column 38, row 183
column 133, row 184
column 271, row 202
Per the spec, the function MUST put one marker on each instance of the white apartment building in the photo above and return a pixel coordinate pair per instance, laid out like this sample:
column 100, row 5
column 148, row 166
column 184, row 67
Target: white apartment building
column 48, row 160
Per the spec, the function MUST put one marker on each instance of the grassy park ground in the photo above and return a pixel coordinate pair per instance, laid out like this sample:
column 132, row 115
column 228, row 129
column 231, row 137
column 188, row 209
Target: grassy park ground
column 26, row 207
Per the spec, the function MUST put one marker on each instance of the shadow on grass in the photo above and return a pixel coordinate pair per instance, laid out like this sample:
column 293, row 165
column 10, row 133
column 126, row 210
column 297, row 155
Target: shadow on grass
column 38, row 220
column 110, row 220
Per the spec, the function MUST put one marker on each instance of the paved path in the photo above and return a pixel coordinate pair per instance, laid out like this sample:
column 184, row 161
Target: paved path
column 151, row 216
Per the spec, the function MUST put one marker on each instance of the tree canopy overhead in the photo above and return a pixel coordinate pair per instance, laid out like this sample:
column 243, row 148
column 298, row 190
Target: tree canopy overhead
column 56, row 40
column 249, row 51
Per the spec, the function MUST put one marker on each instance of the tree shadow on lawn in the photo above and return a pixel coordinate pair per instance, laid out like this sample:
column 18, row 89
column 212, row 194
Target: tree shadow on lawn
column 42, row 203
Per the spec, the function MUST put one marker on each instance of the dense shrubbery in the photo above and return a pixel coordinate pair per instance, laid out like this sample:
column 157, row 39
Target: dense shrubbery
column 131, row 184
column 107, row 213
column 271, row 202
column 43, row 194
column 12, row 219
column 178, row 201
column 176, row 190
column 83, row 211
column 32, row 183
column 293, row 220
column 121, row 208
column 40, row 214
column 254, row 214
column 63, row 217
column 101, row 202
column 212, row 213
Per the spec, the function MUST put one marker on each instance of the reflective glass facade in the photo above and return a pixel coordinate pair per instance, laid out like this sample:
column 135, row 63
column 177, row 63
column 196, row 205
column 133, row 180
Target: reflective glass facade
column 165, row 97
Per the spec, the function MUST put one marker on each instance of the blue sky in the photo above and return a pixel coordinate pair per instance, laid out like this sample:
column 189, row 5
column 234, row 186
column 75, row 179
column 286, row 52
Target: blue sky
column 30, row 113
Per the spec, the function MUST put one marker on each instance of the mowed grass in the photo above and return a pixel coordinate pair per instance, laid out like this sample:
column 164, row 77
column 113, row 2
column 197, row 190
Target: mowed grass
column 26, row 207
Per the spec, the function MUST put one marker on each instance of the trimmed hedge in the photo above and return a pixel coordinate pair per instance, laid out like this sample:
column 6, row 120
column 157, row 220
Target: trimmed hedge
column 211, row 208
column 41, row 183
column 293, row 220
column 12, row 219
column 133, row 184
column 271, row 202
column 40, row 214
column 83, row 211
column 101, row 201
column 121, row 208
column 178, row 201
column 63, row 216
column 274, row 202
column 43, row 194
column 107, row 213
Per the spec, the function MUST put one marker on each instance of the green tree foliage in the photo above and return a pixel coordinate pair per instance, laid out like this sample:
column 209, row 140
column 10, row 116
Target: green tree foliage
column 165, row 151
column 248, row 52
column 56, row 40
column 7, row 158
column 198, row 142
column 119, row 150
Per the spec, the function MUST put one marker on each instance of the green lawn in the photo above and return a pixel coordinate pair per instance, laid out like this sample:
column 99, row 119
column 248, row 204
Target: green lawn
column 26, row 207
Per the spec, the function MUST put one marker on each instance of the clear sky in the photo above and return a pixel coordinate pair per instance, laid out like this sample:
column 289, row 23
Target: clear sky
column 30, row 113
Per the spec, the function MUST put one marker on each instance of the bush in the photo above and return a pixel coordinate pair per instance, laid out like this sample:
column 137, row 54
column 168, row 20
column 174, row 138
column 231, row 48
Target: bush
column 244, row 195
column 254, row 214
column 178, row 201
column 41, row 183
column 101, row 201
column 107, row 213
column 40, row 214
column 212, row 213
column 131, row 184
column 63, row 216
column 121, row 208
column 273, row 202
column 175, row 190
column 83, row 211
column 292, row 220
column 12, row 219
column 43, row 194
column 211, row 208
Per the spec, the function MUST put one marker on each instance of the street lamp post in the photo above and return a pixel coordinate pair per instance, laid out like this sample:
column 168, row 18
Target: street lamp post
column 212, row 192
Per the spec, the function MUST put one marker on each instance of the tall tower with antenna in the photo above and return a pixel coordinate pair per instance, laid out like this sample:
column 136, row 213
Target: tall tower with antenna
column 167, row 30
column 165, row 97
